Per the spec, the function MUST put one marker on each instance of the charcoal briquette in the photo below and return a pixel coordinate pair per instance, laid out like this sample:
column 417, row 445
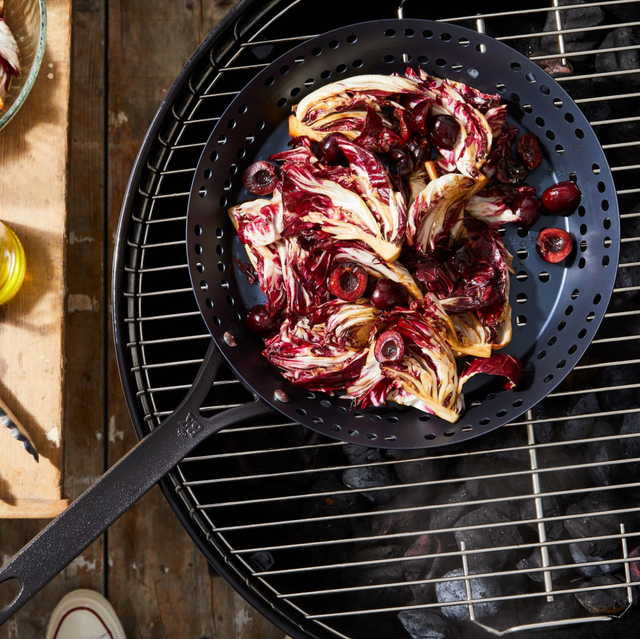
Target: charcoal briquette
column 381, row 573
column 407, row 518
column 513, row 437
column 603, row 453
column 373, row 476
column 421, row 471
column 630, row 446
column 551, row 507
column 566, row 478
column 609, row 601
column 594, row 524
column 452, row 494
column 591, row 571
column 627, row 40
column 543, row 611
column 428, row 624
column 613, row 376
column 558, row 556
column 580, row 427
column 481, row 588
column 262, row 560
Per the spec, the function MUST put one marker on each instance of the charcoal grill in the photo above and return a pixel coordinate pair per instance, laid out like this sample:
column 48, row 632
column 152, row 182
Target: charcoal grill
column 313, row 570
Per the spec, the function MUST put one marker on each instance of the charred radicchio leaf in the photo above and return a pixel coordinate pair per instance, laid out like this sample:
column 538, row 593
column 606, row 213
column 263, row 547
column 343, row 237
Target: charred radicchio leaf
column 506, row 366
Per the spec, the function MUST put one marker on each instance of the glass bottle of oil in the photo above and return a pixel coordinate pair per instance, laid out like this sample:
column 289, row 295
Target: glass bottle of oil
column 12, row 263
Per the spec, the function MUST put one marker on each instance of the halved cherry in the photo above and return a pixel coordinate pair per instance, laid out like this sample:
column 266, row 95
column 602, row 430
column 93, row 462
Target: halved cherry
column 348, row 281
column 260, row 178
column 389, row 347
column 328, row 148
column 419, row 117
column 260, row 322
column 554, row 245
column 388, row 294
column 443, row 131
column 562, row 198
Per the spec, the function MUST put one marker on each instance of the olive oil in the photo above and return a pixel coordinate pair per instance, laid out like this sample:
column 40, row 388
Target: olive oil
column 12, row 263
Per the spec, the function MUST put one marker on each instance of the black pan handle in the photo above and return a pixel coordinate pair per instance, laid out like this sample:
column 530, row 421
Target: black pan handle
column 121, row 486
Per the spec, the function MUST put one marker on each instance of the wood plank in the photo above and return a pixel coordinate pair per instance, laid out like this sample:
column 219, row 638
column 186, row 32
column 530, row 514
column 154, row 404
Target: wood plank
column 33, row 156
column 158, row 581
column 84, row 395
column 31, row 508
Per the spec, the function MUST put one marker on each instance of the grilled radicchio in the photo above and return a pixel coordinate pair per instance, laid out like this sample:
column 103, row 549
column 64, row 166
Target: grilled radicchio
column 341, row 207
column 9, row 59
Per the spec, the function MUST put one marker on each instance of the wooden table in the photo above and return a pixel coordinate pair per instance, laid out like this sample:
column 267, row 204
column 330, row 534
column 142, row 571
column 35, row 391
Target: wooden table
column 125, row 57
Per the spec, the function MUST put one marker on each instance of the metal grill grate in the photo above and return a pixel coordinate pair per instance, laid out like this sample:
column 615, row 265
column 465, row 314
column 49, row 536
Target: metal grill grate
column 271, row 500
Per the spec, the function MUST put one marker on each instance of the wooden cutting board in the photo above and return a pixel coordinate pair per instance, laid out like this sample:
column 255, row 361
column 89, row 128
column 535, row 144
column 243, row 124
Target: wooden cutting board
column 33, row 197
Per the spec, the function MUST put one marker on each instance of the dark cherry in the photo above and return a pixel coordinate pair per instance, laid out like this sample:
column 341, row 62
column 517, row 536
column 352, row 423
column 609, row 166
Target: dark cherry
column 328, row 148
column 529, row 150
column 403, row 163
column 260, row 322
column 388, row 294
column 260, row 178
column 420, row 117
column 562, row 198
column 527, row 207
column 554, row 245
column 348, row 281
column 420, row 149
column 389, row 347
column 510, row 170
column 443, row 131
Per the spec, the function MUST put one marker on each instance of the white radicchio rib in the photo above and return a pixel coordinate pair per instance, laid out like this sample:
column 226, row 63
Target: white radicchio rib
column 496, row 118
column 489, row 206
column 334, row 210
column 320, row 356
column 428, row 215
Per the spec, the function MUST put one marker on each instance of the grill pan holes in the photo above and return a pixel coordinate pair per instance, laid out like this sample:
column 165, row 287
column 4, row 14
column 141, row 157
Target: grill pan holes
column 597, row 299
column 231, row 124
column 473, row 73
column 601, row 187
column 301, row 411
column 260, row 125
column 561, row 364
column 341, row 409
column 552, row 341
column 390, row 438
column 203, row 191
column 548, row 378
column 429, row 436
column 390, row 33
column 523, row 232
column 325, row 75
column 562, row 325
column 445, row 37
column 372, row 436
column 270, row 81
column 521, row 320
column 583, row 229
column 500, row 87
column 607, row 242
column 582, row 263
column 358, row 415
column 521, row 298
column 334, row 44
column 572, row 349
column 226, row 186
column 545, row 89
column 449, row 433
column 341, row 68
column 236, row 316
column 517, row 403
column 300, row 59
column 543, row 276
column 595, row 168
column 230, row 300
column 568, row 117
column 357, row 64
column 294, row 92
column 309, row 82
column 540, row 121
column 282, row 102
column 605, row 261
column 325, row 403
column 457, row 67
column 389, row 58
column 581, row 211
column 501, row 413
column 568, row 310
column 219, row 232
column 606, row 223
column 605, row 205
column 242, row 109
column 316, row 51
column 515, row 98
column 198, row 229
column 516, row 67
column 582, row 333
column 309, row 395
column 214, row 156
column 575, row 294
column 216, row 320
column 542, row 354
column 250, row 139
column 208, row 174
column 579, row 134
column 484, row 421
column 530, row 77
column 200, row 267
column 557, row 102
column 409, row 33
column 375, row 418
column 441, row 62
column 522, row 276
column 222, row 267
column 424, row 418
column 559, row 149
column 317, row 420
column 353, row 432
column 527, row 108
column 591, row 316
column 422, row 59
column 522, row 253
column 335, row 427
column 583, row 245
column 352, row 39
column 480, row 48
column 392, row 419
column 224, row 284
column 550, row 135
column 427, row 33
column 463, row 42
column 198, row 249
column 219, row 249
column 209, row 302
column 490, row 397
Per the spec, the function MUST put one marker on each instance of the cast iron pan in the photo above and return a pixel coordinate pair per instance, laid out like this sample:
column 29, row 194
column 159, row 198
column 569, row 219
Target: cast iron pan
column 562, row 311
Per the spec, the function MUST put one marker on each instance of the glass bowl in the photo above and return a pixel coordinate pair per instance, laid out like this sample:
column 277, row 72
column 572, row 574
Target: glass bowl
column 27, row 20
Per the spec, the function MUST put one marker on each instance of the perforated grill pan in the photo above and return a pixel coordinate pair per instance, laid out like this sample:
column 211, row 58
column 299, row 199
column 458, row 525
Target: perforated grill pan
column 556, row 308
